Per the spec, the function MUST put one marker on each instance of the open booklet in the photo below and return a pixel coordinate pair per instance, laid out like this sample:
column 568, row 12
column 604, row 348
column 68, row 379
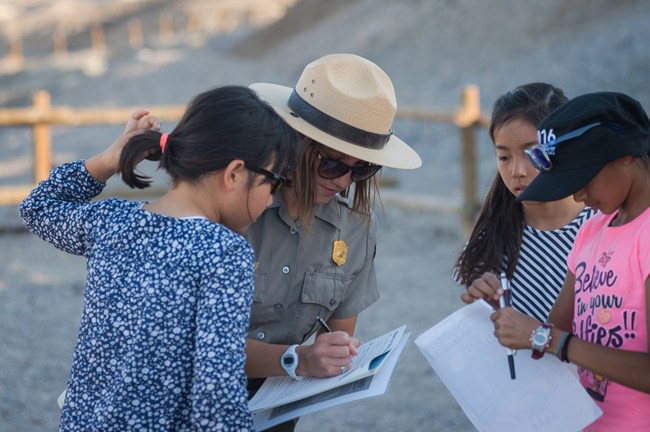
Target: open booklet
column 375, row 358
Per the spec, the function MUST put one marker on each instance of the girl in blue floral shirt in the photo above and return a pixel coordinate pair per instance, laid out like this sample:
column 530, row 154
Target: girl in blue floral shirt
column 161, row 345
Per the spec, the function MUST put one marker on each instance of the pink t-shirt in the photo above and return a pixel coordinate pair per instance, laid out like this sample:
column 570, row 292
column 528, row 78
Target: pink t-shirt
column 611, row 265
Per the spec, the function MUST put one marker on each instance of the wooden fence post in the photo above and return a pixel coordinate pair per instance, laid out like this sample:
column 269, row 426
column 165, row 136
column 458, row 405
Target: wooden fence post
column 42, row 138
column 16, row 50
column 468, row 120
column 166, row 27
column 193, row 22
column 136, row 39
column 97, row 37
column 59, row 40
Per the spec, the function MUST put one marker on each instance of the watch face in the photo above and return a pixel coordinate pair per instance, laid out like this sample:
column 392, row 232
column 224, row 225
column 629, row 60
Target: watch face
column 540, row 338
column 288, row 360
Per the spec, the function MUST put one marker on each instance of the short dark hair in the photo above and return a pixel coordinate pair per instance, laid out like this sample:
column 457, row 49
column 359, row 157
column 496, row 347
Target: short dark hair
column 218, row 126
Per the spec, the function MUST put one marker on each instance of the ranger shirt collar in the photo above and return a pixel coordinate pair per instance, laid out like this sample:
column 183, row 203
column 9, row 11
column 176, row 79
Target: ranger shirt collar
column 330, row 212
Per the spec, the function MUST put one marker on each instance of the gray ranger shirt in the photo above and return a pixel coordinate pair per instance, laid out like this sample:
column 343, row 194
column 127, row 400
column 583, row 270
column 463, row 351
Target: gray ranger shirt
column 297, row 278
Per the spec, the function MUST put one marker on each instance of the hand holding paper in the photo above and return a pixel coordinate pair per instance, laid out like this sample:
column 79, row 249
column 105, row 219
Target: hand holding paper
column 466, row 356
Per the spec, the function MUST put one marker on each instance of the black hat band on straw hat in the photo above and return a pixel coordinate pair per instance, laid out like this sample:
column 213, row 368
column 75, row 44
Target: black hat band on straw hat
column 335, row 127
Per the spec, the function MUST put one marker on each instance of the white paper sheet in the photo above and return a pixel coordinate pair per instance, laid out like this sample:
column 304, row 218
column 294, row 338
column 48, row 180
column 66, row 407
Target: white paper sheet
column 545, row 396
column 371, row 386
column 278, row 391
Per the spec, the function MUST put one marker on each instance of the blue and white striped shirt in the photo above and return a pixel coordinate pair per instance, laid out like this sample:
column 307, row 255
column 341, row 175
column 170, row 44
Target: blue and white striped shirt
column 541, row 269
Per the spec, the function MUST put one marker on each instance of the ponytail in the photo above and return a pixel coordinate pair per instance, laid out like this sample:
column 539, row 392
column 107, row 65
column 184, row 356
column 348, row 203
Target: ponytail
column 218, row 126
column 148, row 143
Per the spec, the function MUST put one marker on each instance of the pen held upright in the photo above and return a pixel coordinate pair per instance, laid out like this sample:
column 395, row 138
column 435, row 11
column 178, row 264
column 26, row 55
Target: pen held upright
column 505, row 301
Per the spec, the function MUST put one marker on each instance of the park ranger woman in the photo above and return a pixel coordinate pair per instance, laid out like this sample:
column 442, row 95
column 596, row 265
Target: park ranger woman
column 315, row 244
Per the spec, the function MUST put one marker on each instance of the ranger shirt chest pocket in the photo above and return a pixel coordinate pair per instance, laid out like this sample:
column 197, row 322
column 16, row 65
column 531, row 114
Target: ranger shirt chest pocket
column 325, row 289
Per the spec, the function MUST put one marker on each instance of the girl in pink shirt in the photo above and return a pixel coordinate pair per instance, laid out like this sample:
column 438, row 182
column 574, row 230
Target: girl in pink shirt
column 595, row 148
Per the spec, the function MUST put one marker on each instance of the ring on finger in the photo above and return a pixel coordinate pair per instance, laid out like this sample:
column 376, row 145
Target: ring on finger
column 343, row 369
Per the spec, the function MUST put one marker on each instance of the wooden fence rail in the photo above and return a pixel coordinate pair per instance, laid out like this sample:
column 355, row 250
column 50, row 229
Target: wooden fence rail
column 42, row 116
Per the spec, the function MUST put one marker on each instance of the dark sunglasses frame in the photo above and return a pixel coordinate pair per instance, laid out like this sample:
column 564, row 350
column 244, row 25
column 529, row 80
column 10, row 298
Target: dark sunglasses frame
column 275, row 179
column 332, row 169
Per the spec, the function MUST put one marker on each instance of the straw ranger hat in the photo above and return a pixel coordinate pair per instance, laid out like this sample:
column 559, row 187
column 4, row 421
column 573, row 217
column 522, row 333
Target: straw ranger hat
column 347, row 103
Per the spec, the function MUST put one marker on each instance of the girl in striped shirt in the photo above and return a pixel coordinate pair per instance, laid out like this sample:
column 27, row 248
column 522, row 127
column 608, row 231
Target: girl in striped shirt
column 528, row 241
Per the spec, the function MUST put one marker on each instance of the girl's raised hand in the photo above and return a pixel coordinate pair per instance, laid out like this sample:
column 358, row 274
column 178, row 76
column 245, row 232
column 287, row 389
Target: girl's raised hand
column 139, row 122
column 104, row 165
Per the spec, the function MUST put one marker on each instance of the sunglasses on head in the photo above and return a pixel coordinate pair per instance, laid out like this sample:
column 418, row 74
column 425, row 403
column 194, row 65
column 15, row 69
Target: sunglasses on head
column 275, row 179
column 538, row 155
column 331, row 169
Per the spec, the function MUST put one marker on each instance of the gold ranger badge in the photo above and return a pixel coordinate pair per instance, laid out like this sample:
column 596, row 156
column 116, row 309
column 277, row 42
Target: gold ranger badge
column 339, row 252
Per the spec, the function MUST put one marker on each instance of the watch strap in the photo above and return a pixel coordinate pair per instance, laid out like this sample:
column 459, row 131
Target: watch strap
column 539, row 350
column 289, row 362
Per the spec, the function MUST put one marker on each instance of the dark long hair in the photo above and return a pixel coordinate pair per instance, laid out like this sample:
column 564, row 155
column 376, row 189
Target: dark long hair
column 496, row 238
column 219, row 126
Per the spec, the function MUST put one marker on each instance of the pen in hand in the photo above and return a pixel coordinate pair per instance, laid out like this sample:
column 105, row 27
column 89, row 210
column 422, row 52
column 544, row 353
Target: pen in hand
column 327, row 329
column 504, row 301
column 323, row 324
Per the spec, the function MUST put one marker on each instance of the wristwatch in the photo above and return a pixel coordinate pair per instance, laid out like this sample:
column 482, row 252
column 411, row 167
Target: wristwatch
column 289, row 362
column 540, row 339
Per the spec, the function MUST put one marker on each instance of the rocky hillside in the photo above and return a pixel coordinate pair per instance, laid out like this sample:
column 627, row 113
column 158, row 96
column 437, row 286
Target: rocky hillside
column 430, row 48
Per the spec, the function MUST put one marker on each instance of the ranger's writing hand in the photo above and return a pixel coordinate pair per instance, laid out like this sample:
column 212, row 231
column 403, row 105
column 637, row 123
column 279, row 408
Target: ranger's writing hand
column 330, row 355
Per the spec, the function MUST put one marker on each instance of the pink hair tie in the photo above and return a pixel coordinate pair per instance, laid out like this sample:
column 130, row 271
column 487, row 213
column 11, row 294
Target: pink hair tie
column 163, row 142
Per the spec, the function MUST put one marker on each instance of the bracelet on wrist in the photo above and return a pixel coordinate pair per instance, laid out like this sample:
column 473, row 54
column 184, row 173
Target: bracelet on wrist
column 565, row 349
column 560, row 344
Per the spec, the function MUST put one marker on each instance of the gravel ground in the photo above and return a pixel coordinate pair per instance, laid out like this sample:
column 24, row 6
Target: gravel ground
column 430, row 48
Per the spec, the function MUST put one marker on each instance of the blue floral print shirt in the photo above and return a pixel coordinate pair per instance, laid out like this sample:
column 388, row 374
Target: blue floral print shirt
column 161, row 343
